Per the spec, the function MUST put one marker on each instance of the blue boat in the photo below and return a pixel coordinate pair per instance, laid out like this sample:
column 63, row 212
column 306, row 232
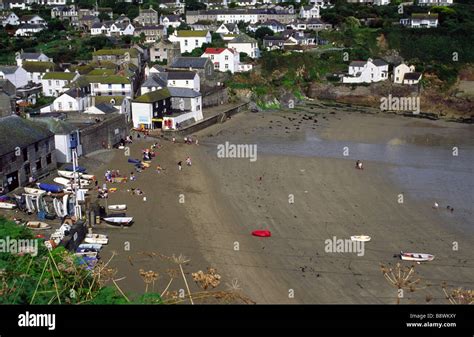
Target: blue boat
column 78, row 169
column 51, row 188
column 134, row 161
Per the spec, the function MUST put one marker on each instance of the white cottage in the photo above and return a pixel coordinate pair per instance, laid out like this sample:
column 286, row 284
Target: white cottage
column 223, row 59
column 367, row 71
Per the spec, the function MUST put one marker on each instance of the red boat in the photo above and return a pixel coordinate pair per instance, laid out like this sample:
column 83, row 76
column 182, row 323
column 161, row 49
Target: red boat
column 262, row 233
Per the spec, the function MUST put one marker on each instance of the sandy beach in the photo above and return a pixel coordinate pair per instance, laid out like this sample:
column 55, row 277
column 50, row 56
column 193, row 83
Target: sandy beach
column 208, row 211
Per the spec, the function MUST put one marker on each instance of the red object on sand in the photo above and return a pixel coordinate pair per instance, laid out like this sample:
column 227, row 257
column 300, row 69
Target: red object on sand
column 262, row 233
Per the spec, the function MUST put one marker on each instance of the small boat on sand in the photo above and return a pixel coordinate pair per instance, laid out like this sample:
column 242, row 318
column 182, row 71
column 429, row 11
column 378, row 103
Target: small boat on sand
column 416, row 257
column 117, row 207
column 262, row 233
column 69, row 182
column 7, row 205
column 37, row 225
column 34, row 191
column 78, row 169
column 86, row 252
column 119, row 221
column 97, row 238
column 69, row 174
column 362, row 238
column 95, row 246
column 51, row 187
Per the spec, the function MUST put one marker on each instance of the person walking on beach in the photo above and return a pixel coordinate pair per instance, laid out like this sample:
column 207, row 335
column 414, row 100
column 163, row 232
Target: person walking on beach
column 179, row 166
column 132, row 177
column 188, row 161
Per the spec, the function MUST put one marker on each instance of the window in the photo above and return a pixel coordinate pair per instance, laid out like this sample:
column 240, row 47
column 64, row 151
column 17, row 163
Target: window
column 227, row 66
column 123, row 93
column 187, row 82
column 96, row 85
column 123, row 86
column 38, row 165
column 57, row 82
column 110, row 86
column 50, row 83
column 197, row 42
column 60, row 106
column 110, row 93
column 70, row 105
column 185, row 42
column 48, row 159
column 226, row 57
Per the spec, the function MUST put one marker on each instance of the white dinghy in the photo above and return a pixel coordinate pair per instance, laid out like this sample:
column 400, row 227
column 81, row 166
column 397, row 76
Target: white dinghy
column 416, row 257
column 97, row 238
column 117, row 207
column 361, row 238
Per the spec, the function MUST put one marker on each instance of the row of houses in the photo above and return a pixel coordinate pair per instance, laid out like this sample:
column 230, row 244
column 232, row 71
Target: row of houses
column 376, row 70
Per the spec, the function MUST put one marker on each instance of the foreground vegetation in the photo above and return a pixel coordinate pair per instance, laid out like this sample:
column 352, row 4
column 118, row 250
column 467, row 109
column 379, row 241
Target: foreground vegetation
column 57, row 277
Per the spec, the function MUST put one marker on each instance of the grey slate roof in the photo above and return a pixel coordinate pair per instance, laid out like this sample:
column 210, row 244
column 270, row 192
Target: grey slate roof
column 8, row 69
column 19, row 132
column 181, row 75
column 106, row 108
column 243, row 38
column 189, row 62
column 379, row 62
column 183, row 92
column 57, row 126
column 357, row 64
column 75, row 93
column 159, row 68
column 30, row 56
column 155, row 80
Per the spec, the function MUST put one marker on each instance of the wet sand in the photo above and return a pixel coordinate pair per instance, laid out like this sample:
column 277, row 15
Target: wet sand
column 224, row 200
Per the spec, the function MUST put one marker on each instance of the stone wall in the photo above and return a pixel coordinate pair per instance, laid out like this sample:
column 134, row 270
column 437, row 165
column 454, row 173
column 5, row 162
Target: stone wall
column 215, row 97
column 218, row 118
column 14, row 162
column 104, row 134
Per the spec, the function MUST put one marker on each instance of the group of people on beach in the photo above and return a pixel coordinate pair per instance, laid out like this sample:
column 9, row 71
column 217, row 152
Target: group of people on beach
column 187, row 140
column 111, row 174
column 188, row 163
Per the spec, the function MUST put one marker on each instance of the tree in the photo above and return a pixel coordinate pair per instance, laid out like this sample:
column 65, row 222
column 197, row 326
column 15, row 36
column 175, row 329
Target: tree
column 132, row 12
column 55, row 25
column 103, row 16
column 262, row 32
column 97, row 42
column 194, row 5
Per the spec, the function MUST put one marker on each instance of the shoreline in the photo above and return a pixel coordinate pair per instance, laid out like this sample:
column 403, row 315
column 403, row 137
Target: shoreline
column 224, row 200
column 246, row 213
